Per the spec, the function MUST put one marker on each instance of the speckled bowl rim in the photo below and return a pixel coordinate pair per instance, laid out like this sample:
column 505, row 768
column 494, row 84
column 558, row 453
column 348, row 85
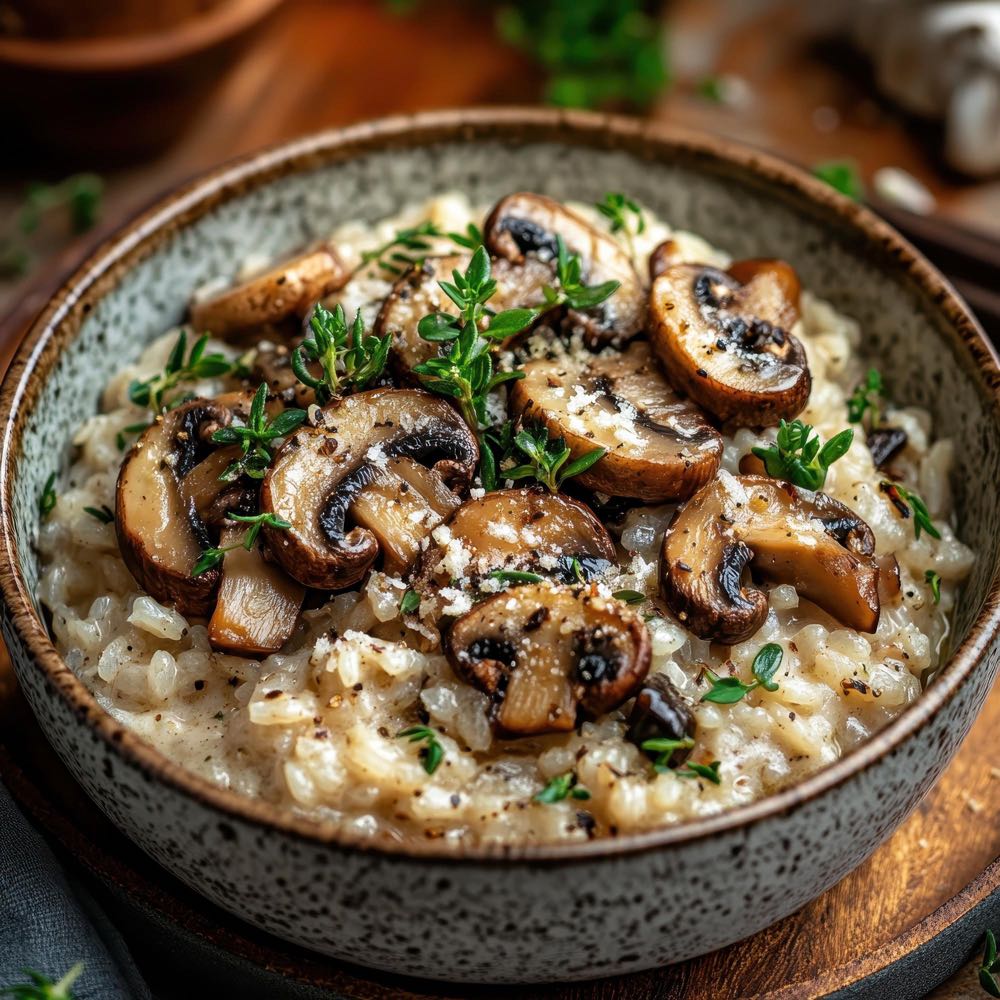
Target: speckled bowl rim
column 59, row 322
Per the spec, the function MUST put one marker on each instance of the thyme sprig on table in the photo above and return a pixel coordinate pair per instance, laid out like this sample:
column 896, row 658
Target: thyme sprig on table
column 210, row 558
column 548, row 459
column 254, row 438
column 155, row 393
column 41, row 987
column 799, row 456
column 728, row 690
column 346, row 356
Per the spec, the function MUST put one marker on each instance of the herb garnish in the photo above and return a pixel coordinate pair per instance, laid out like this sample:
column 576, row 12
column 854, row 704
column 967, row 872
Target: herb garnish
column 867, row 399
column 629, row 596
column 410, row 602
column 798, row 456
column 560, row 787
column 47, row 501
column 210, row 558
column 465, row 373
column 711, row 88
column 254, row 437
column 906, row 503
column 665, row 748
column 515, row 576
column 433, row 753
column 43, row 988
column 152, row 392
column 569, row 277
column 728, row 690
column 933, row 579
column 708, row 771
column 547, row 459
column 842, row 176
column 104, row 513
column 617, row 208
column 989, row 966
column 409, row 247
column 346, row 357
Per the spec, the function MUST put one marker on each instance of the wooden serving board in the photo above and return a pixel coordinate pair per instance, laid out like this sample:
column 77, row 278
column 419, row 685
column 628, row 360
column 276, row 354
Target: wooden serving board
column 897, row 927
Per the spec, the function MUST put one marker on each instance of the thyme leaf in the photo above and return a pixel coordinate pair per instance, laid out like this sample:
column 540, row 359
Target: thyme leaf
column 799, row 457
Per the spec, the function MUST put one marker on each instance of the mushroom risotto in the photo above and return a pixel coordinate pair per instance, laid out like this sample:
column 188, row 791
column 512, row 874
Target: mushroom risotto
column 539, row 523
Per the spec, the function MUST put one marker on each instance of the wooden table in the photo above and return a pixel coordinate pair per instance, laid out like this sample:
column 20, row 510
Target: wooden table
column 323, row 64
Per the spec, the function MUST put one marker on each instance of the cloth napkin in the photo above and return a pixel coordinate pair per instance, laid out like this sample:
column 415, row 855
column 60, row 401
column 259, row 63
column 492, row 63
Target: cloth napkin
column 48, row 923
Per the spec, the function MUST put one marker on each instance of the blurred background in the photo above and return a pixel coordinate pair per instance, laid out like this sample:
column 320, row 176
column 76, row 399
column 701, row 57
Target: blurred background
column 102, row 106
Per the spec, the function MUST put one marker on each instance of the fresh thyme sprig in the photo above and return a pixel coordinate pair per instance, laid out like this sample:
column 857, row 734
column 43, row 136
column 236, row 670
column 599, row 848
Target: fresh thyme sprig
column 933, row 580
column 623, row 214
column 254, row 438
column 909, row 504
column 432, row 753
column 710, row 772
column 799, row 457
column 409, row 603
column 515, row 576
column 104, row 513
column 120, row 437
column 210, row 558
column 547, row 459
column 561, row 787
column 867, row 399
column 665, row 748
column 465, row 373
column 989, row 967
column 47, row 500
column 42, row 987
column 728, row 690
column 181, row 367
column 347, row 357
column 570, row 290
column 410, row 246
column 629, row 596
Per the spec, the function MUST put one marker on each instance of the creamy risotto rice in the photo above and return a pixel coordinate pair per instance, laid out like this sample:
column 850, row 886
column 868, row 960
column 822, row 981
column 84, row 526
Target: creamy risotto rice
column 314, row 728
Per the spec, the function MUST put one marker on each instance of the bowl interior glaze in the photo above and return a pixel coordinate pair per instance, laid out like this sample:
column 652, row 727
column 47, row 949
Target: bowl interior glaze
column 139, row 284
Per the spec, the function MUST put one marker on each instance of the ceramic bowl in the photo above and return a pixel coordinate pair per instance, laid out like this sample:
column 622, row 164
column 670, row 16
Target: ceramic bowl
column 528, row 913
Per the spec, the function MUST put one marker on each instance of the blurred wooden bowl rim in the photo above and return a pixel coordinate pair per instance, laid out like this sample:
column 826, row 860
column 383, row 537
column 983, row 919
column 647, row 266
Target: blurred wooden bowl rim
column 129, row 52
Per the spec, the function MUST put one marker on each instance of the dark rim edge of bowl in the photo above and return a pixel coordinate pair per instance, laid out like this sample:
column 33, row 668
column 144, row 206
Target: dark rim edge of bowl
column 59, row 322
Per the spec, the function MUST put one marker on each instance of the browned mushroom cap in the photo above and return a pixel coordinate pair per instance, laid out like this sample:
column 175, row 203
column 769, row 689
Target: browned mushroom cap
column 322, row 477
column 159, row 518
column 523, row 226
column 418, row 293
column 257, row 606
column 784, row 534
column 546, row 654
column 520, row 530
column 664, row 256
column 291, row 287
column 727, row 345
column 659, row 446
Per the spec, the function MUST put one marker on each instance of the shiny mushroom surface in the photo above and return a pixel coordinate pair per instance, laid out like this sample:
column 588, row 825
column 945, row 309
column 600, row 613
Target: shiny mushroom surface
column 727, row 343
column 520, row 530
column 345, row 485
column 524, row 226
column 659, row 445
column 417, row 293
column 289, row 288
column 547, row 655
column 164, row 497
column 780, row 533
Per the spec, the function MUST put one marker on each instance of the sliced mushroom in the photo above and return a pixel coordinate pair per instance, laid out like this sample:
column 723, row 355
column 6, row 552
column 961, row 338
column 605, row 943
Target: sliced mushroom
column 783, row 534
column 515, row 530
column 547, row 654
column 524, row 226
column 728, row 344
column 257, row 606
column 291, row 287
column 159, row 525
column 885, row 443
column 320, row 478
column 659, row 446
column 660, row 711
column 418, row 293
column 664, row 256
